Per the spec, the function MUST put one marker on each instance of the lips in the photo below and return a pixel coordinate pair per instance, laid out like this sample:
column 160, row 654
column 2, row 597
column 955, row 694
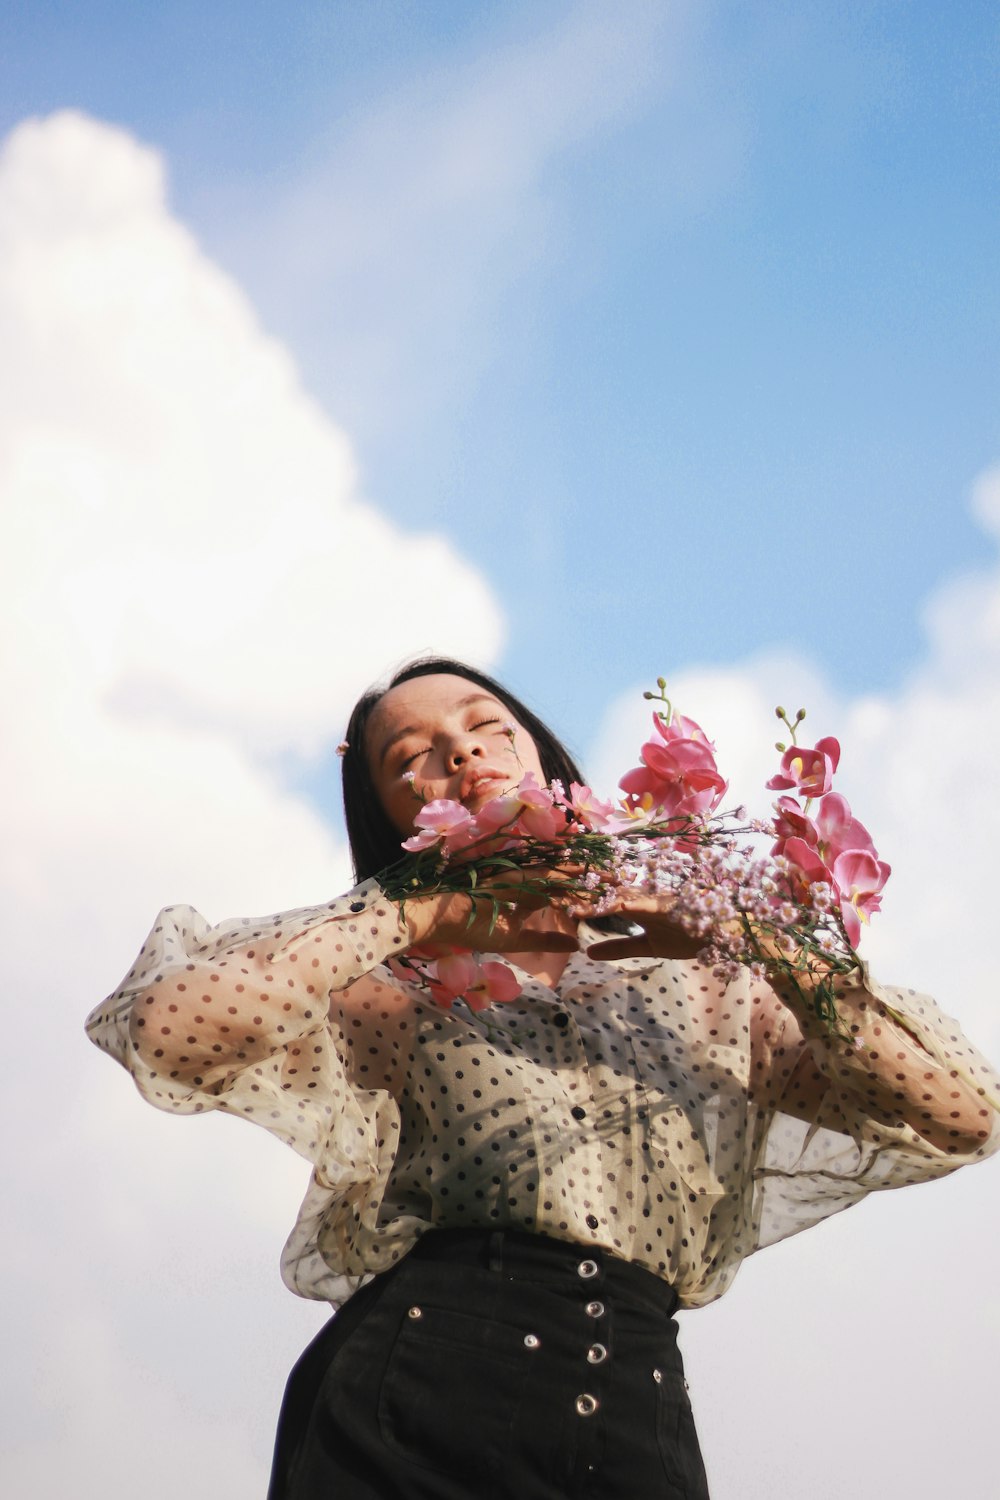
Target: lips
column 482, row 784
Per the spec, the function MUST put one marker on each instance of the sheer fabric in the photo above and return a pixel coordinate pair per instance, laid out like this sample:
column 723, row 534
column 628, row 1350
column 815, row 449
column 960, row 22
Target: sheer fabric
column 639, row 1106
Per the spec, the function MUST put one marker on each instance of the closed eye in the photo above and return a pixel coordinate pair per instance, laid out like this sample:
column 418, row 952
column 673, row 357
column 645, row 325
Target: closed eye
column 415, row 756
column 404, row 765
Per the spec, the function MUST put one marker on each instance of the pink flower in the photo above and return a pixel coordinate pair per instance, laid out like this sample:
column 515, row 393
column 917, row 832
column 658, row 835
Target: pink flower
column 807, row 771
column 670, row 799
column 792, row 823
column 496, row 984
column 443, row 822
column 588, row 809
column 452, row 975
column 539, row 817
column 678, row 770
column 859, row 878
column 632, row 815
column 498, row 816
column 838, row 829
column 459, row 975
column 806, row 861
column 529, row 810
column 856, row 877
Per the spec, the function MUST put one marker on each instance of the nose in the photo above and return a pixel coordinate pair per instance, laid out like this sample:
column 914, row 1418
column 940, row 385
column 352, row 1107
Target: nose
column 464, row 747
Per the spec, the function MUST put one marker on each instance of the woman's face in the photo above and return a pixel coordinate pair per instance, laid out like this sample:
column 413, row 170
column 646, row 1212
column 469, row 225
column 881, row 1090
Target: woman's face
column 444, row 736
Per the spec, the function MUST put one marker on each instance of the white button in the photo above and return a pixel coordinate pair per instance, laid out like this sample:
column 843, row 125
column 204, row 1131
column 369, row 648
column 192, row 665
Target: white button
column 594, row 1309
column 415, row 1312
column 587, row 1269
column 657, row 1376
column 586, row 1405
column 532, row 1341
column 596, row 1354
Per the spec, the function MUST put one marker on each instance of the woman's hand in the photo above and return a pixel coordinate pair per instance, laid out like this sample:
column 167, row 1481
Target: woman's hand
column 493, row 922
column 662, row 936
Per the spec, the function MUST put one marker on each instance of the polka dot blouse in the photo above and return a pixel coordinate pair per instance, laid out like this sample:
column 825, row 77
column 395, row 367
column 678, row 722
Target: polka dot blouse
column 639, row 1106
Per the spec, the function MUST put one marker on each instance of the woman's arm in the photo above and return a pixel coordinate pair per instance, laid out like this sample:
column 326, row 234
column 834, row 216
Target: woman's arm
column 886, row 1061
column 203, row 1001
column 881, row 1060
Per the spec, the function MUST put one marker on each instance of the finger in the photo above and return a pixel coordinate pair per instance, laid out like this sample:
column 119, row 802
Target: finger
column 620, row 947
column 678, row 945
column 530, row 941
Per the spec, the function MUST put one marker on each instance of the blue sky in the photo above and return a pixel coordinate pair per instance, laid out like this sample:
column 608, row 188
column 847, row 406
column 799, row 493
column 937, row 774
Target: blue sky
column 592, row 341
column 711, row 374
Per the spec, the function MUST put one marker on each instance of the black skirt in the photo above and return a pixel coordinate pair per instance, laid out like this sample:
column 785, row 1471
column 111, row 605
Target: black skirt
column 494, row 1366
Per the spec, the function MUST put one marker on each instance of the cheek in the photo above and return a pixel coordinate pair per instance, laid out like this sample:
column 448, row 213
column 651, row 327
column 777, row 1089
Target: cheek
column 396, row 800
column 401, row 807
column 527, row 754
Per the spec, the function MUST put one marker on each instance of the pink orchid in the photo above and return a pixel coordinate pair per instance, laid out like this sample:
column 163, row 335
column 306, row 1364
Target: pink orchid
column 496, row 984
column 679, row 728
column 453, row 974
column 498, row 816
column 839, row 831
column 529, row 811
column 859, row 878
column 678, row 770
column 443, row 822
column 807, row 771
column 792, row 822
column 587, row 808
column 632, row 815
column 833, row 831
column 459, row 975
column 675, row 798
column 539, row 817
column 807, row 862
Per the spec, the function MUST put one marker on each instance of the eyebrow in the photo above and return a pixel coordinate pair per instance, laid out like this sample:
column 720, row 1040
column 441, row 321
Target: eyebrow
column 400, row 734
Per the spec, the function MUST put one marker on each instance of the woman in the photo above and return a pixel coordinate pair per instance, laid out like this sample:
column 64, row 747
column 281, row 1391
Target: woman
column 525, row 1196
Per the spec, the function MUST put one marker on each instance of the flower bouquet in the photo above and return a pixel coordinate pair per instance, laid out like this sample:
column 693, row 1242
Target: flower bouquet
column 795, row 911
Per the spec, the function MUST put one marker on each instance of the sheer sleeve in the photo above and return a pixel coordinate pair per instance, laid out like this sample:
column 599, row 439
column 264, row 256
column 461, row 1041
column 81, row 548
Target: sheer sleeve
column 256, row 1018
column 203, row 1004
column 902, row 1097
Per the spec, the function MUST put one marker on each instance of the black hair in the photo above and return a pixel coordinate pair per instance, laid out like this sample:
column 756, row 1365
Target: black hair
column 373, row 839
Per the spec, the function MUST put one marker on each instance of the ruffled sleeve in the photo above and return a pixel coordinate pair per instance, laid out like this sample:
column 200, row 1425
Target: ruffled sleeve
column 234, row 1016
column 250, row 1017
column 901, row 1097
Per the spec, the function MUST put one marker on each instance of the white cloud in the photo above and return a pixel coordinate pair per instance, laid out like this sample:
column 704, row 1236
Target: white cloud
column 194, row 591
column 185, row 514
column 864, row 1350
